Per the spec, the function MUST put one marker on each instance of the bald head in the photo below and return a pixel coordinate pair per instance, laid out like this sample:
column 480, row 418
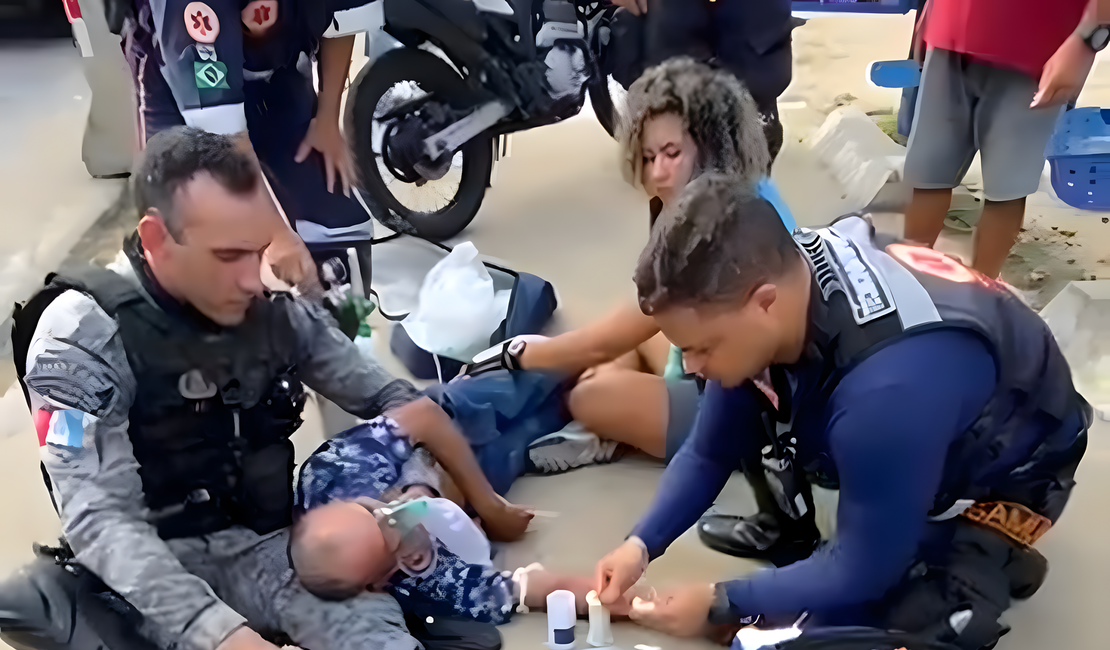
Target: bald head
column 338, row 550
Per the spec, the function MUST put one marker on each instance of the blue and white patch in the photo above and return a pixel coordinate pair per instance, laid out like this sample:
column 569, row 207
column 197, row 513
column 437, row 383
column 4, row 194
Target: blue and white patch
column 67, row 428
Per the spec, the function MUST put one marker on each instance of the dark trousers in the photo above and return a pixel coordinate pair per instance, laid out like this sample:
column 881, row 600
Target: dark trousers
column 47, row 606
column 278, row 111
column 749, row 38
column 965, row 577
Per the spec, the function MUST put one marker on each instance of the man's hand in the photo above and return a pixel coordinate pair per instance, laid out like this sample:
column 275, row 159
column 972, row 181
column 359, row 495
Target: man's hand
column 289, row 259
column 680, row 612
column 1065, row 73
column 504, row 521
column 619, row 570
column 245, row 639
column 637, row 7
column 324, row 136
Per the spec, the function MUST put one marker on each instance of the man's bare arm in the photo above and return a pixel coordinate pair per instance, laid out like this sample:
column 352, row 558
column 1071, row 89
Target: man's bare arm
column 1066, row 71
column 333, row 366
column 426, row 424
column 323, row 132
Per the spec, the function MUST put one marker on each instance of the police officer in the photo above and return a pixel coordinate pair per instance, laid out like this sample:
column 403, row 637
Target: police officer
column 164, row 394
column 932, row 397
column 233, row 66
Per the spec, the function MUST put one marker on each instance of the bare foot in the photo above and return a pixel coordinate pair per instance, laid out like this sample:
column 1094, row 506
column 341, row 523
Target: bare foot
column 537, row 583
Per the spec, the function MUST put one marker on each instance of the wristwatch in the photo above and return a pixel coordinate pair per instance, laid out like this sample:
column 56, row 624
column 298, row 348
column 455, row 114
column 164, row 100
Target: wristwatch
column 721, row 612
column 1098, row 38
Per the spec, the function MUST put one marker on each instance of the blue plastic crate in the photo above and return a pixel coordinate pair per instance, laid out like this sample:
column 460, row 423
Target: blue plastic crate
column 1079, row 156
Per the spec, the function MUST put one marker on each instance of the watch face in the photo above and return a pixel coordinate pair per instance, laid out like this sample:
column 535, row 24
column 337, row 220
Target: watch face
column 1100, row 38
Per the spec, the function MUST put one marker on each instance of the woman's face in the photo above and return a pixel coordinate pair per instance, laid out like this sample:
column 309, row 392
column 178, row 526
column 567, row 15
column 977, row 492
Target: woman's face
column 669, row 156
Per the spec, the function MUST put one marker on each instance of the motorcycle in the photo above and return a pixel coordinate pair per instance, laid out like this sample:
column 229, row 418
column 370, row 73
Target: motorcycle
column 430, row 115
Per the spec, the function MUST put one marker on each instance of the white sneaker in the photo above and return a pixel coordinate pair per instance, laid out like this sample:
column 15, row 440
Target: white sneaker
column 572, row 447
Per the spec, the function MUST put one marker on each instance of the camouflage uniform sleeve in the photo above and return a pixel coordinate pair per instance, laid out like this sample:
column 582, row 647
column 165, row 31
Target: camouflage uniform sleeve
column 81, row 389
column 455, row 588
column 202, row 61
column 330, row 364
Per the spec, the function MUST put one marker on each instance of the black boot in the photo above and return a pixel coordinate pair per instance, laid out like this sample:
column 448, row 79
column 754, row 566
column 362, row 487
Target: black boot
column 759, row 537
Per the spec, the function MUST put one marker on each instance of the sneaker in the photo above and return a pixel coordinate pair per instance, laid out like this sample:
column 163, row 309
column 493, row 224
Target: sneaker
column 572, row 447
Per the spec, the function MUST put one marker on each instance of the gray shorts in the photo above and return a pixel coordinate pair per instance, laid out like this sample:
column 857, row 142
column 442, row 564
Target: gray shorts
column 683, row 399
column 964, row 107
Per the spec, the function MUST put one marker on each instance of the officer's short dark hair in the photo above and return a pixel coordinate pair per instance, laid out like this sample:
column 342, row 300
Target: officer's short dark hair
column 175, row 156
column 718, row 243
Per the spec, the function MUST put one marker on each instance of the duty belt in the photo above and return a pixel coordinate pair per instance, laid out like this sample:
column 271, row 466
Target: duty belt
column 1013, row 520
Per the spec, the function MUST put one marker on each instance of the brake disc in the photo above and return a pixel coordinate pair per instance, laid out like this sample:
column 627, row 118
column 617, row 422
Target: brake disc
column 403, row 148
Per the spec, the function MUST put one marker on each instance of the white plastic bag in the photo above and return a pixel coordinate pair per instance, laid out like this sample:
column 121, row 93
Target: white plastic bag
column 458, row 309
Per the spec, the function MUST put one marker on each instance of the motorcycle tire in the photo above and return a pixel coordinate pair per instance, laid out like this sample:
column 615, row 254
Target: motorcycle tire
column 433, row 75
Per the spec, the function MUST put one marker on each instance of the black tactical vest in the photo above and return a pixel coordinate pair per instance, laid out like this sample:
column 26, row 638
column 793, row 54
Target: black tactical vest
column 867, row 297
column 213, row 410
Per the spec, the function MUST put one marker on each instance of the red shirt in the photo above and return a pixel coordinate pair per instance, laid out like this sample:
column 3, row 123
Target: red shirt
column 1017, row 34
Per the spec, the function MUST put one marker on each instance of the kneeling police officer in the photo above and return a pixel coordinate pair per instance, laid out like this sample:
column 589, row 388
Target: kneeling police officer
column 931, row 396
column 164, row 393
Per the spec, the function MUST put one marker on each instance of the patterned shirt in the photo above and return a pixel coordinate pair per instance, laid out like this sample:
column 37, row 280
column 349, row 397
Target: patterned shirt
column 376, row 460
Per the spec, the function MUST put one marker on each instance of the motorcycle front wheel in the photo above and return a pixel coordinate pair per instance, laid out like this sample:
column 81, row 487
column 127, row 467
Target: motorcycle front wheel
column 434, row 209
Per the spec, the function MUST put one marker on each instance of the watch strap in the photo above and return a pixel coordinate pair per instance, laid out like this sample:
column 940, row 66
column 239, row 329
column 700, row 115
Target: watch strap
column 1096, row 37
column 722, row 614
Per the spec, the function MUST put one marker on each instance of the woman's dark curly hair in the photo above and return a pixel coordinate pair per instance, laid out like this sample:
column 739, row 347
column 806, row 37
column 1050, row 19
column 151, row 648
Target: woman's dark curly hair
column 716, row 109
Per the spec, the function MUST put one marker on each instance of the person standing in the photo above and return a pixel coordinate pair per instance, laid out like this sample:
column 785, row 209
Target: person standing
column 995, row 78
column 239, row 66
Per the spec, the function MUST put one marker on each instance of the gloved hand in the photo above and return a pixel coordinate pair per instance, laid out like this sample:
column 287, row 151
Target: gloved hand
column 503, row 356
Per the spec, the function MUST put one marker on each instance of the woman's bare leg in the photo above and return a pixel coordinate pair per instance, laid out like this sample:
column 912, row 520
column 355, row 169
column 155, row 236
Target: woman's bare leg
column 624, row 405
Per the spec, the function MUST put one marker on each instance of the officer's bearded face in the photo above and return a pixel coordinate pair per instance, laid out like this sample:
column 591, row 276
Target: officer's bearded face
column 214, row 262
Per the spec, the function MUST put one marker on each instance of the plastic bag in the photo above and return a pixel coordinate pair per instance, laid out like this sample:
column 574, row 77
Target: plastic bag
column 458, row 308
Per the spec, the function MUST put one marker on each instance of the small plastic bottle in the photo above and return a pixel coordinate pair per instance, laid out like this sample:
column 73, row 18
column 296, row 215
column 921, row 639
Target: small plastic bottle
column 365, row 344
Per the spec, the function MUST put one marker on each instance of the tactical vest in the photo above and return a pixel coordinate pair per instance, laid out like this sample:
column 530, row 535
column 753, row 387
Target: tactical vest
column 213, row 410
column 869, row 294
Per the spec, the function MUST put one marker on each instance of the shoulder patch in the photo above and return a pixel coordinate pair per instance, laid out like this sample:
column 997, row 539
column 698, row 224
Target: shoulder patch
column 259, row 16
column 64, row 428
column 201, row 22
